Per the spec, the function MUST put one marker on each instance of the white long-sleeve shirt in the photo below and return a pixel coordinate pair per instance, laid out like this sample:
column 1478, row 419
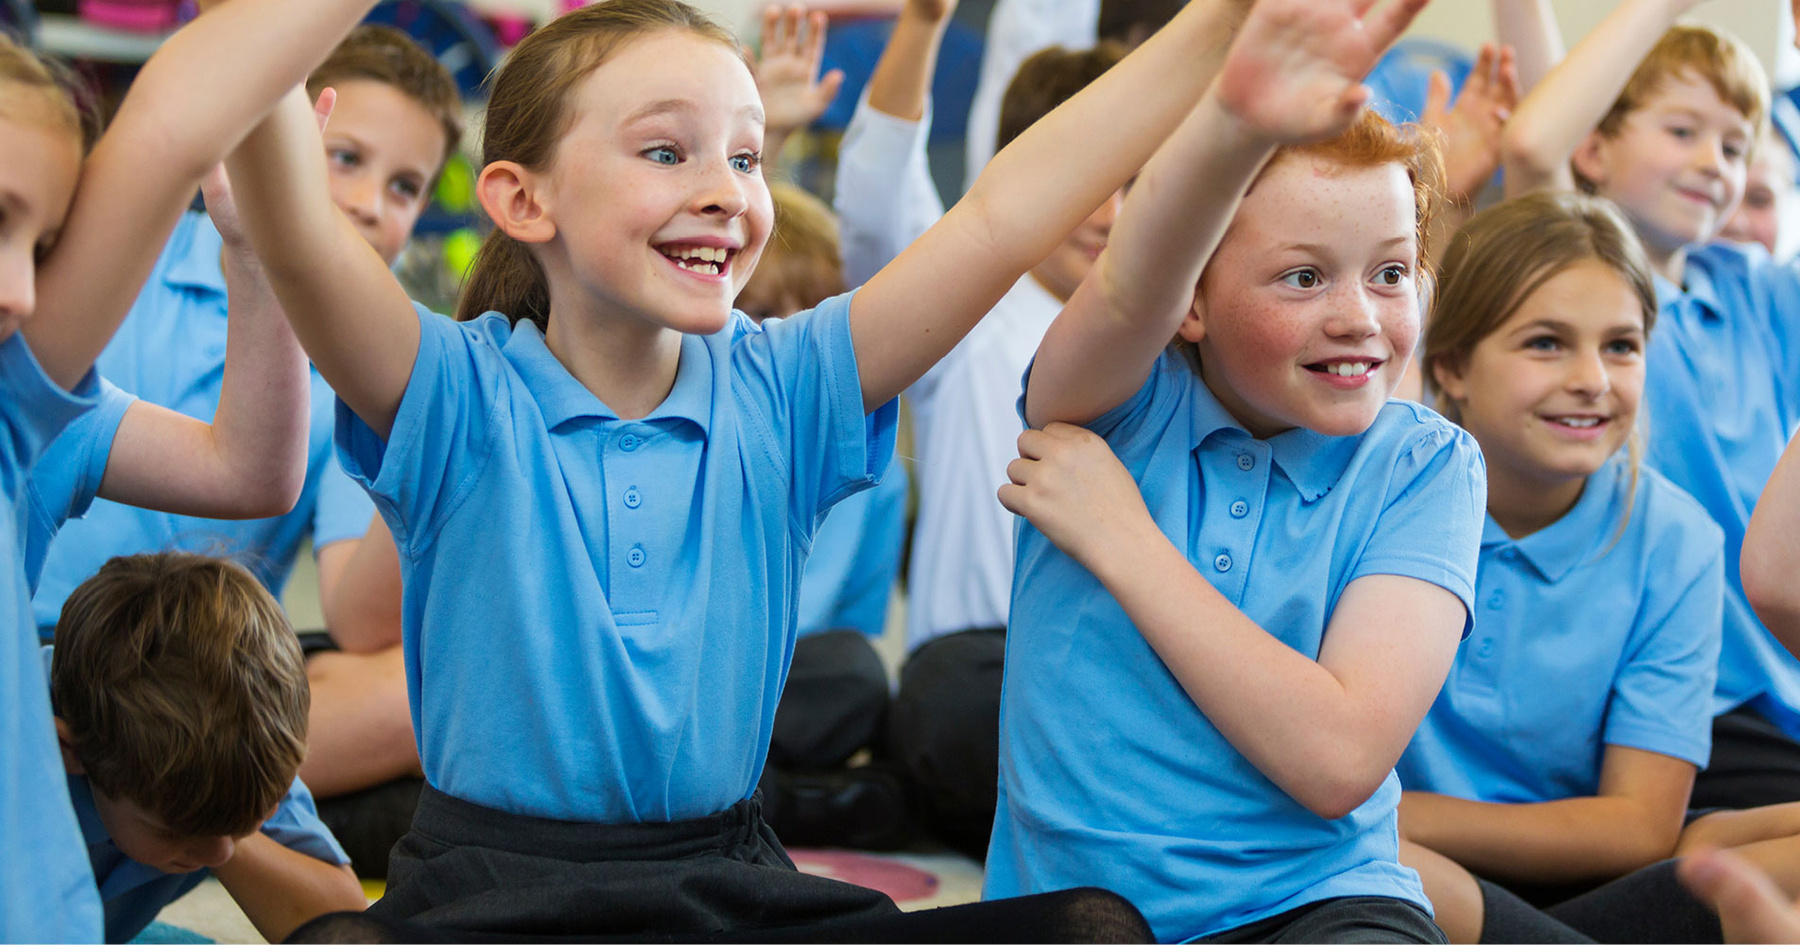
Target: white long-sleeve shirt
column 1016, row 30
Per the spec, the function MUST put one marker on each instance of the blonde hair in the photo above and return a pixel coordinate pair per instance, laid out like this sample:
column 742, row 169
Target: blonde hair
column 183, row 689
column 53, row 87
column 801, row 262
column 1717, row 57
column 527, row 115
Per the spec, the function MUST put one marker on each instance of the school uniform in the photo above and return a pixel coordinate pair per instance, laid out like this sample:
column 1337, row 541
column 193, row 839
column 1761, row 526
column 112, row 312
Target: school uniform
column 1110, row 772
column 133, row 892
column 612, row 650
column 1600, row 629
column 46, row 889
column 170, row 351
column 1722, row 394
column 946, row 713
column 1016, row 30
column 67, row 478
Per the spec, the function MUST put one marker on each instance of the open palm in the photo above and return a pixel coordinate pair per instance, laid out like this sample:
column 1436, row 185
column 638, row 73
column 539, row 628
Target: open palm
column 1295, row 71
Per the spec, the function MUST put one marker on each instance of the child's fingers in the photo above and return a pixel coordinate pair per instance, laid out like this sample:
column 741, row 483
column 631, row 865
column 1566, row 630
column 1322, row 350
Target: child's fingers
column 771, row 26
column 1437, row 97
column 815, row 38
column 1509, row 77
column 829, row 85
column 323, row 107
column 1032, row 444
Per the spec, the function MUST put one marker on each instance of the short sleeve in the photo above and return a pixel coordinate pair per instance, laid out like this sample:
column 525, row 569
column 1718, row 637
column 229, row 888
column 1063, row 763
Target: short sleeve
column 799, row 375
column 1662, row 697
column 68, row 476
column 34, row 410
column 440, row 433
column 1143, row 416
column 1431, row 519
column 296, row 825
column 885, row 197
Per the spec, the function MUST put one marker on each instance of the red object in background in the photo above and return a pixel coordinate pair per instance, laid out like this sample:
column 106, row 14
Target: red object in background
column 137, row 16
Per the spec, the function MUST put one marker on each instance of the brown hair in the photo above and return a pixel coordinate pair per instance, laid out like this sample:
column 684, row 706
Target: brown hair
column 383, row 54
column 183, row 689
column 1047, row 79
column 1133, row 21
column 60, row 95
column 528, row 113
column 1507, row 252
column 1373, row 141
column 1719, row 58
column 801, row 262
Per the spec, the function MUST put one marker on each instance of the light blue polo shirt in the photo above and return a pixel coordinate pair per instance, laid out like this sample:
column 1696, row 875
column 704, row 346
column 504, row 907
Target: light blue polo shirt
column 67, row 477
column 133, row 893
column 1109, row 774
column 170, row 351
column 599, row 613
column 46, row 889
column 1722, row 396
column 855, row 560
column 1588, row 636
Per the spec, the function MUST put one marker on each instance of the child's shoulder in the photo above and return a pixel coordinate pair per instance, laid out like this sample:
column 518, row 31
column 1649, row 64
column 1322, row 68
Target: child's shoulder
column 1409, row 428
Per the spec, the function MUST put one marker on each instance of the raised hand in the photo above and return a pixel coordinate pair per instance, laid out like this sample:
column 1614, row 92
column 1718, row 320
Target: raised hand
column 1472, row 127
column 787, row 73
column 937, row 11
column 1295, row 71
column 216, row 188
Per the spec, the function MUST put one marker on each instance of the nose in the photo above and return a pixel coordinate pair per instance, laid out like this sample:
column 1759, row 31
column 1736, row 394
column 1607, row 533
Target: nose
column 213, row 851
column 18, row 287
column 359, row 196
column 1588, row 375
column 722, row 190
column 1709, row 158
column 1353, row 316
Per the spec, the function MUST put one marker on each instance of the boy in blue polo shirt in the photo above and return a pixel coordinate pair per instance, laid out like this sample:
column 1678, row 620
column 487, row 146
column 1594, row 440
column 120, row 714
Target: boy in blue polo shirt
column 1661, row 121
column 181, row 701
column 1242, row 580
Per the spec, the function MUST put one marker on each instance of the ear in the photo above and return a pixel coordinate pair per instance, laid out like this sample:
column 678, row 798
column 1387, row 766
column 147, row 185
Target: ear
column 513, row 199
column 1448, row 379
column 1589, row 158
column 1193, row 327
column 66, row 742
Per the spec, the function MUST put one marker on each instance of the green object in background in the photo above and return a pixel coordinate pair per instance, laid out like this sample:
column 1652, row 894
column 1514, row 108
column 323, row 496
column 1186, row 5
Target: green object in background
column 459, row 251
column 456, row 186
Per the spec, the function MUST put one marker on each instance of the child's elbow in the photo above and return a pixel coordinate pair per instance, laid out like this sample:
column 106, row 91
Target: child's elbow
column 1775, row 597
column 1335, row 795
column 260, row 497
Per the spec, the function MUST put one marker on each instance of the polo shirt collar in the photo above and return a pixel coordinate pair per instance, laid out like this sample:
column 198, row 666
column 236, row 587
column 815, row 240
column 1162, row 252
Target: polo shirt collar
column 1313, row 462
column 197, row 264
column 561, row 398
column 1592, row 524
column 1700, row 292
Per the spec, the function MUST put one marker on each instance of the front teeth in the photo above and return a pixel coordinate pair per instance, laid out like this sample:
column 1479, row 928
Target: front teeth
column 704, row 268
column 1579, row 423
column 706, row 260
column 1348, row 368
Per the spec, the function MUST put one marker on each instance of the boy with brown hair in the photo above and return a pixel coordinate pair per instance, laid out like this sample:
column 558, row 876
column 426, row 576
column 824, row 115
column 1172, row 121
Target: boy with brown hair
column 181, row 705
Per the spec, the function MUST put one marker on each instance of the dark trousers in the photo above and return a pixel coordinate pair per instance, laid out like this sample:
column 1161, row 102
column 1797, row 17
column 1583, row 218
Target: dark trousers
column 1349, row 919
column 946, row 734
column 470, row 873
column 1753, row 764
column 835, row 703
column 1649, row 905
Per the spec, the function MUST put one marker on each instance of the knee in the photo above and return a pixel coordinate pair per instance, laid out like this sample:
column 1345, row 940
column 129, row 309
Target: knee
column 1091, row 914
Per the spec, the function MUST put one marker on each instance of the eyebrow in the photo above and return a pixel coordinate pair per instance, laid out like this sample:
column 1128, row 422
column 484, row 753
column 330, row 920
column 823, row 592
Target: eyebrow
column 1555, row 325
column 669, row 106
column 1319, row 249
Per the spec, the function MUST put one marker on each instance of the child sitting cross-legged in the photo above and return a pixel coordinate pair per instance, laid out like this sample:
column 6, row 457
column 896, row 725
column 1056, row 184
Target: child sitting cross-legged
column 181, row 705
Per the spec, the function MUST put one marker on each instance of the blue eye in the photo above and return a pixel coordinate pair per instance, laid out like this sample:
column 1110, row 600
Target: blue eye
column 1302, row 279
column 746, row 163
column 665, row 155
column 344, row 157
column 1623, row 346
column 1543, row 343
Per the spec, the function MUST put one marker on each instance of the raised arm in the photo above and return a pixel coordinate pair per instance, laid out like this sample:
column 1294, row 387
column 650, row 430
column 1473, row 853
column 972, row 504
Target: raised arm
column 347, row 309
column 1036, row 190
column 794, row 94
column 1771, row 553
column 885, row 197
column 1559, row 111
column 250, row 461
column 194, row 100
column 1530, row 28
column 1293, row 75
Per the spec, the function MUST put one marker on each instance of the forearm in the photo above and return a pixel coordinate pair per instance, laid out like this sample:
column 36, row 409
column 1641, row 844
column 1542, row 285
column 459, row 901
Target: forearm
column 192, row 102
column 1570, row 101
column 359, row 590
column 901, row 82
column 1771, row 552
column 260, row 431
column 1284, row 712
column 1097, row 353
column 345, row 307
column 1582, row 839
column 281, row 889
column 1530, row 28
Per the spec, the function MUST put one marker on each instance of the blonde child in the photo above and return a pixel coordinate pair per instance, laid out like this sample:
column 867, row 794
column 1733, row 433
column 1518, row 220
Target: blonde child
column 645, row 468
column 1243, row 579
column 1562, row 749
column 71, row 260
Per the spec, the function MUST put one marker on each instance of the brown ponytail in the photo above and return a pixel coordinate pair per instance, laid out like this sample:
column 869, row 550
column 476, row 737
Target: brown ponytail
column 528, row 113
